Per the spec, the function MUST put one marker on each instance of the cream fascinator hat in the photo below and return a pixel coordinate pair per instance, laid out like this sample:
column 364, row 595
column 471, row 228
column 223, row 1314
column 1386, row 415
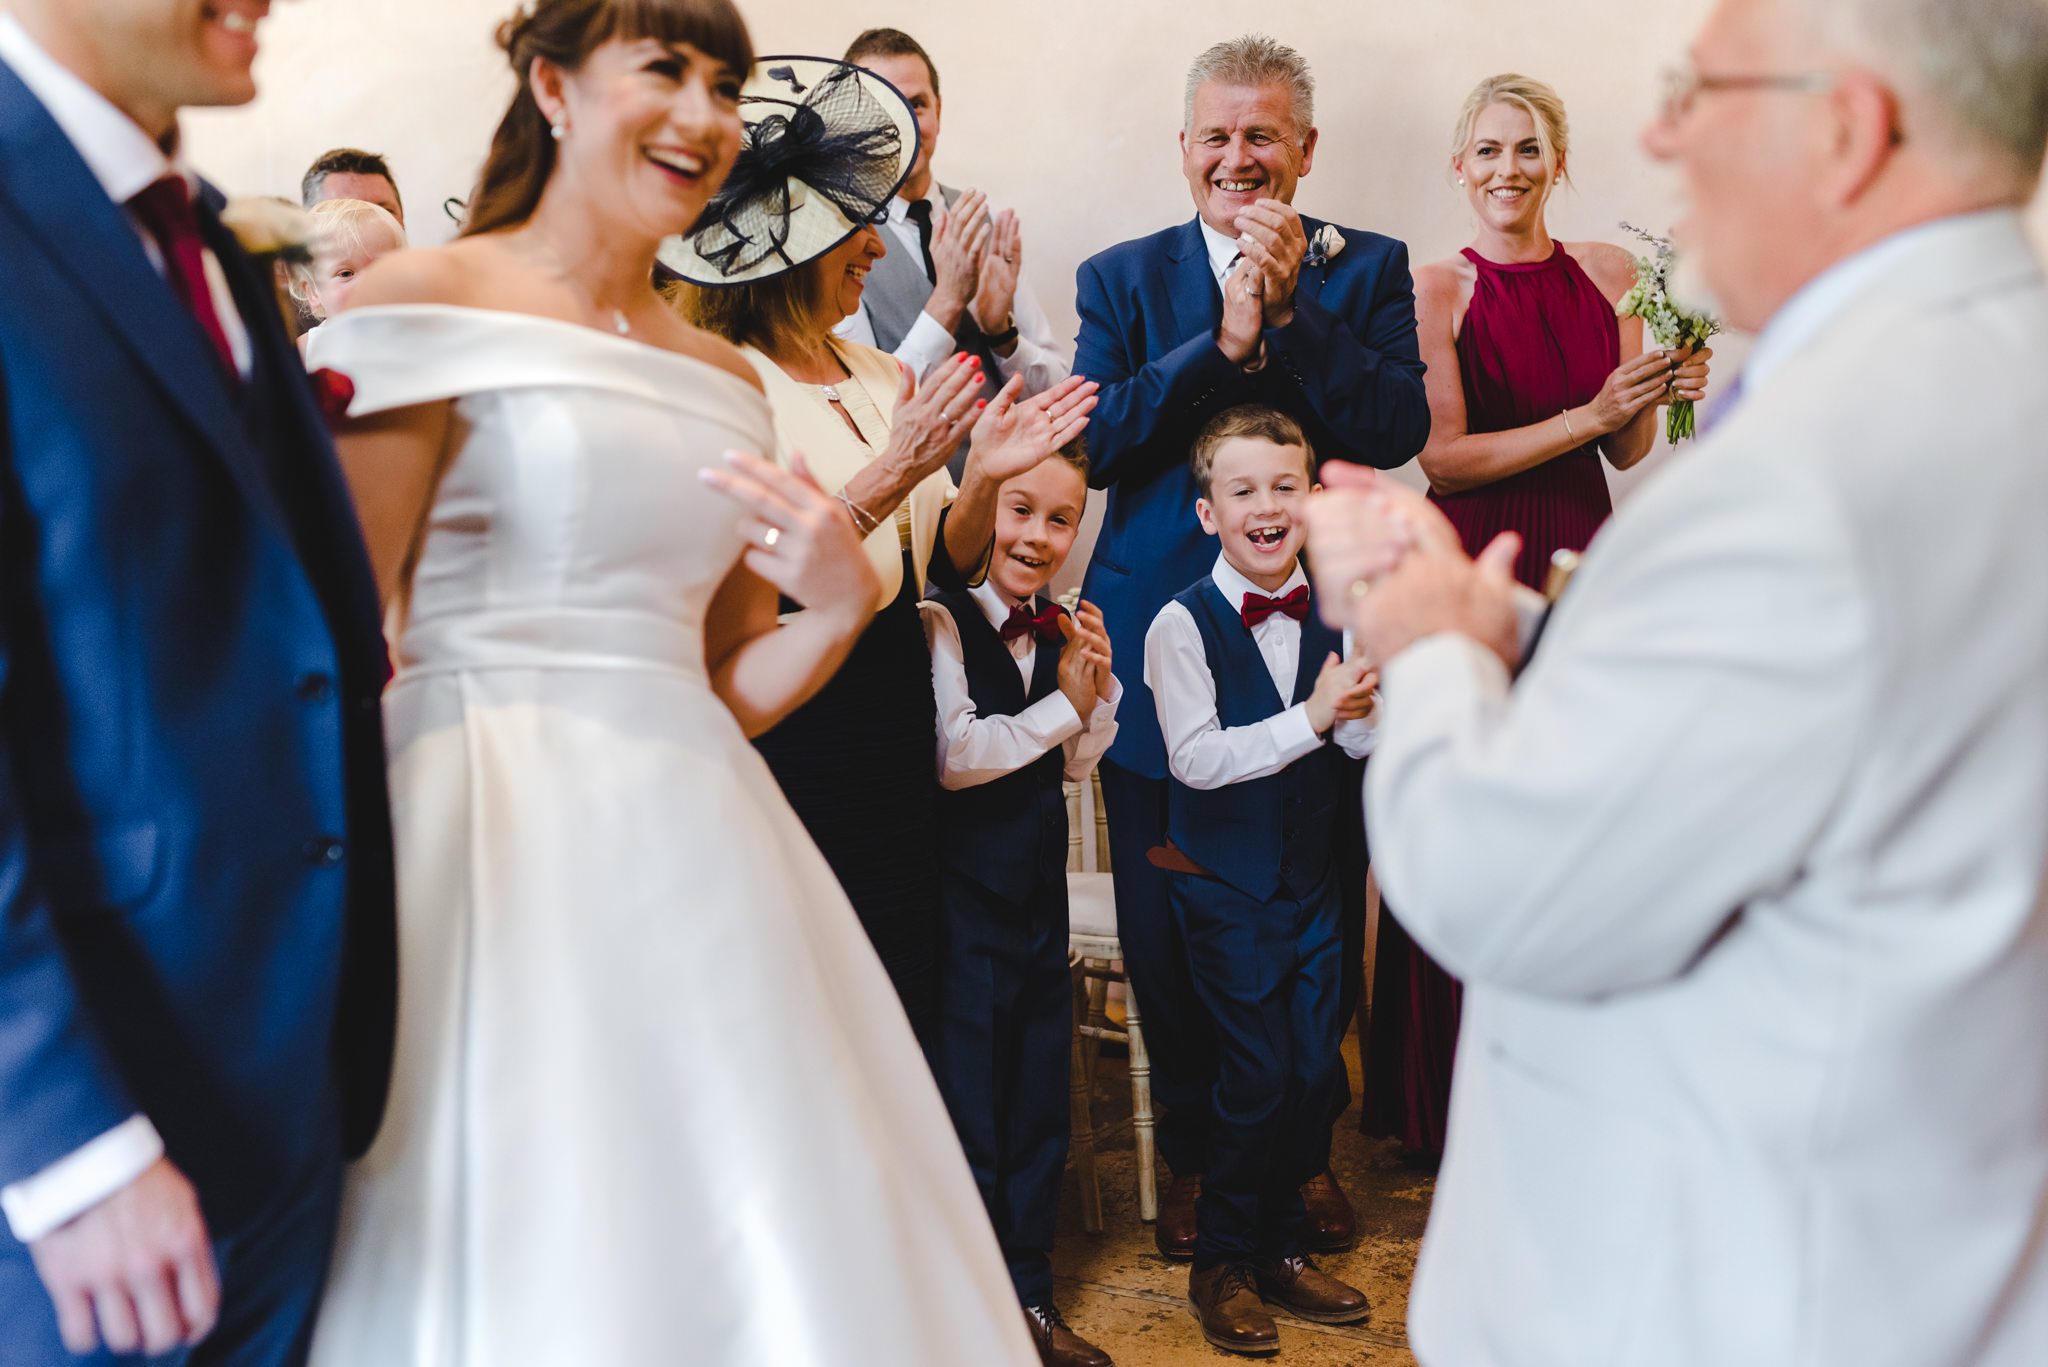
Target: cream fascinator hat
column 827, row 146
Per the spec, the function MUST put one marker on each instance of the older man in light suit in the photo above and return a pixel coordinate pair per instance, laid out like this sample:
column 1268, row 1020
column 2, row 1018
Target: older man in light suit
column 1744, row 872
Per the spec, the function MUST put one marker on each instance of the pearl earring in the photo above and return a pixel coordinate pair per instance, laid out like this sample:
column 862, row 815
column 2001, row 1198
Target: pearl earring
column 560, row 129
column 558, row 133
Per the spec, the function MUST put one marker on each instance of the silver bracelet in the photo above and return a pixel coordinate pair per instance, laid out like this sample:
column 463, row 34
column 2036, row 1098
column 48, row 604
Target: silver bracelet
column 863, row 523
column 1567, row 416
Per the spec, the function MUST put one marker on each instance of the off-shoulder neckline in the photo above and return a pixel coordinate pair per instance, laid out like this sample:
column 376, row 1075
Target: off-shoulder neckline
column 561, row 324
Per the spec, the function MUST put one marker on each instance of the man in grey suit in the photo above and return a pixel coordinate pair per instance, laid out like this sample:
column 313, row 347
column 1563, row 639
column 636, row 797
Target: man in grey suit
column 953, row 277
column 1743, row 871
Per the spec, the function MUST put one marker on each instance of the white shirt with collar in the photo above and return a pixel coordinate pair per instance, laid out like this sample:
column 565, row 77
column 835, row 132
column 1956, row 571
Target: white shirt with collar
column 1200, row 751
column 121, row 156
column 1223, row 251
column 1037, row 355
column 125, row 161
column 974, row 749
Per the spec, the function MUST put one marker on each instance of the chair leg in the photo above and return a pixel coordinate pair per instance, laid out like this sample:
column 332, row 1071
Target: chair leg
column 1141, row 1107
column 1098, row 1013
column 1081, row 1119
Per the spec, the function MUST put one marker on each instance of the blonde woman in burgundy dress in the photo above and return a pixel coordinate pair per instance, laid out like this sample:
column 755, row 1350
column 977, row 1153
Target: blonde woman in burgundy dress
column 1532, row 381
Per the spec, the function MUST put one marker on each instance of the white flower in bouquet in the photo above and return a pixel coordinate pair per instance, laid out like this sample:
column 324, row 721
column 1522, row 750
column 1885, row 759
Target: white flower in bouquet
column 1670, row 324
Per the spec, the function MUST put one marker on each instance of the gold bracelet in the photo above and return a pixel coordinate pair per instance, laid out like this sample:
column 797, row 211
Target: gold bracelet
column 1567, row 416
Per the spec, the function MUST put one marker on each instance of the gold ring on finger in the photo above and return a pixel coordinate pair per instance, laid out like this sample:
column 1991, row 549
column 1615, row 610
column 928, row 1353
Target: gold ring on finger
column 1358, row 589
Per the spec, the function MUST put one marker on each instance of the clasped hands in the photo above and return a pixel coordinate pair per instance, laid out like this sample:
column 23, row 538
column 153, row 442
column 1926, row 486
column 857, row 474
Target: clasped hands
column 1391, row 569
column 1259, row 292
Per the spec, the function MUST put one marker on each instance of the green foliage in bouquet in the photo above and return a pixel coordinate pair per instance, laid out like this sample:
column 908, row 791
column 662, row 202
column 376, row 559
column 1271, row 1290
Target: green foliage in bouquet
column 1670, row 325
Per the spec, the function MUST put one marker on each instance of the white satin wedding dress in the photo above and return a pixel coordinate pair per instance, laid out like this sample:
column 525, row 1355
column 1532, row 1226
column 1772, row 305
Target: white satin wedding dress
column 654, row 1101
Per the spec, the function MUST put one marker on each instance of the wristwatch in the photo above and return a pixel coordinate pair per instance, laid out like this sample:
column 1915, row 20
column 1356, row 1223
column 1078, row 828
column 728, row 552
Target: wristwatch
column 1006, row 336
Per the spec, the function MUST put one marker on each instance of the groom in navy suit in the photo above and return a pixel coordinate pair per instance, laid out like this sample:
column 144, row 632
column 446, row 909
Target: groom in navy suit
column 196, row 934
column 1248, row 303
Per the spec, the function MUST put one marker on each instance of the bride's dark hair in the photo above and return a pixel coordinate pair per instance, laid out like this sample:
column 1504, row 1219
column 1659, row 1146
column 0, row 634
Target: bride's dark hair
column 566, row 32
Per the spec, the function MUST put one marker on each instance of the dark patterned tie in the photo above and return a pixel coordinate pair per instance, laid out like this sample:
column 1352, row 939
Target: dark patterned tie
column 920, row 213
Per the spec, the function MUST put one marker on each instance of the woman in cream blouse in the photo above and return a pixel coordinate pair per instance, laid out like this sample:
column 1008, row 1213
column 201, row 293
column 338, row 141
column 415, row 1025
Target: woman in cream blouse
column 856, row 762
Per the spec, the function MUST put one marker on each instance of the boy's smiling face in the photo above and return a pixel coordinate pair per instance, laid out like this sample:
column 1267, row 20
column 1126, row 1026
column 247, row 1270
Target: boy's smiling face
column 1037, row 516
column 1258, row 492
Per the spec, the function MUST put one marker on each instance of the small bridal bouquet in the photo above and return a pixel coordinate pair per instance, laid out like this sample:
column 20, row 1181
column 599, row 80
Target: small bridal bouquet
column 1670, row 324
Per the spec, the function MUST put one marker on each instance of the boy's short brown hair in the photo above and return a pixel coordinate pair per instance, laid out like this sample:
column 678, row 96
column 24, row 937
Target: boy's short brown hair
column 1245, row 420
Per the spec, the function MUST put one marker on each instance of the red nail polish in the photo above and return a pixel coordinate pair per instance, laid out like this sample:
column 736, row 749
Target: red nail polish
column 981, row 403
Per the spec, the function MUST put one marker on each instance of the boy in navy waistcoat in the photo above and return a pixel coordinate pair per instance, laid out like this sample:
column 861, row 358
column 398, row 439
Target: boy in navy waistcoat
column 1264, row 719
column 1025, row 700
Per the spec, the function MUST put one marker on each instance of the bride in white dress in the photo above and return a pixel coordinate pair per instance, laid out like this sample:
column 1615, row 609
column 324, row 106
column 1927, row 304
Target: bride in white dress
column 655, row 1101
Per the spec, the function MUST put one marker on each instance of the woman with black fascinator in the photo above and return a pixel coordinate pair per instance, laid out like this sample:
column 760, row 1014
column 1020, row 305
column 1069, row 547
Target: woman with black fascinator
column 778, row 261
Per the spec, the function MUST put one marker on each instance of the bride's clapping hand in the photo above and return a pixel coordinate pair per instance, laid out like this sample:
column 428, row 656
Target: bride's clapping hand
column 799, row 538
column 1011, row 437
column 932, row 419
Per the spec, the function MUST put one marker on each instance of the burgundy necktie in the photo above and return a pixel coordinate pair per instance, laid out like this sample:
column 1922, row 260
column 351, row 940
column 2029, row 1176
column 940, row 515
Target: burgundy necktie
column 1046, row 622
column 165, row 209
column 1258, row 607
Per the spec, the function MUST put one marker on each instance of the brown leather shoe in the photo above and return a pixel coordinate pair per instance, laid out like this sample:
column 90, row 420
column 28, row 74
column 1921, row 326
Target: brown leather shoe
column 1332, row 1226
column 1059, row 1346
column 1174, row 1231
column 1309, row 1292
column 1226, row 1301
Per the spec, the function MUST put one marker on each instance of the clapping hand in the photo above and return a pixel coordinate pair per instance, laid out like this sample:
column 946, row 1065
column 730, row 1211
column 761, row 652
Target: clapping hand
column 1390, row 567
column 995, row 292
column 1357, row 704
column 1012, row 437
column 960, row 237
column 1343, row 692
column 1270, row 235
column 1084, row 660
column 930, row 421
column 799, row 539
column 1242, row 331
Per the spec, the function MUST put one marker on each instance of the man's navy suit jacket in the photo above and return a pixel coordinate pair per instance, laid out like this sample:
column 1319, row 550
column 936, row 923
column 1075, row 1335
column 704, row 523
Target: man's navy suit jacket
column 1347, row 368
column 196, row 915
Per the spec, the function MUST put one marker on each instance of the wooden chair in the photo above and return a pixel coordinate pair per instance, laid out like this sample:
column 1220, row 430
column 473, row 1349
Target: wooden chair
column 1097, row 954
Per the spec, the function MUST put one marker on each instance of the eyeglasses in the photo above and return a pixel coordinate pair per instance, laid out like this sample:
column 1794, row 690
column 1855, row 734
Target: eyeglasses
column 1684, row 84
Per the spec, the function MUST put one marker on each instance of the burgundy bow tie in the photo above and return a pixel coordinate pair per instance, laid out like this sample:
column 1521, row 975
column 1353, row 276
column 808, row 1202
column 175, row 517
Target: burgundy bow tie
column 1046, row 622
column 1258, row 607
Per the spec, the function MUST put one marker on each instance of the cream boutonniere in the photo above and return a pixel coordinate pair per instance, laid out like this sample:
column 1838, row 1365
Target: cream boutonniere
column 271, row 229
column 1324, row 246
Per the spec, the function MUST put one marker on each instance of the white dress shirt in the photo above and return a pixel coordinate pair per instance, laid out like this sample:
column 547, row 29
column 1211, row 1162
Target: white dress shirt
column 1223, row 252
column 1037, row 355
column 125, row 161
column 1200, row 751
column 974, row 749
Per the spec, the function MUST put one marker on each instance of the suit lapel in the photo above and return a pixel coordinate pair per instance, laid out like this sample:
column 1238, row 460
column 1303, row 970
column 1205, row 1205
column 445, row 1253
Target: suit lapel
column 89, row 240
column 1191, row 285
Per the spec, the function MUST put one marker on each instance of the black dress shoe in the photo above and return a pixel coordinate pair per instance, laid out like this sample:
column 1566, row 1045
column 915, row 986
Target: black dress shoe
column 1059, row 1346
column 1308, row 1292
column 1174, row 1231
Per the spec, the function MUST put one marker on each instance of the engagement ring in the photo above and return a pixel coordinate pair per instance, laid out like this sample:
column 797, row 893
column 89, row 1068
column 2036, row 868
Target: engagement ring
column 770, row 537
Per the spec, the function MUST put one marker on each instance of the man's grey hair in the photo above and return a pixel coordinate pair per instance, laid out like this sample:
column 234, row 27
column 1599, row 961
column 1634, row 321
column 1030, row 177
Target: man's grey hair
column 1254, row 60
column 1978, row 68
